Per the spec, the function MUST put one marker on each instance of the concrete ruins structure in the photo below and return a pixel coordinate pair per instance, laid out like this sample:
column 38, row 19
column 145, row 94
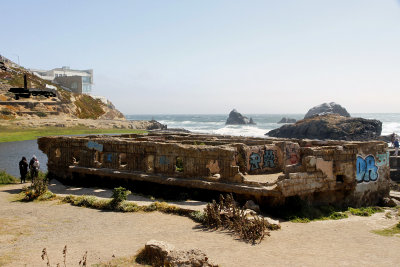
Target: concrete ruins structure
column 267, row 170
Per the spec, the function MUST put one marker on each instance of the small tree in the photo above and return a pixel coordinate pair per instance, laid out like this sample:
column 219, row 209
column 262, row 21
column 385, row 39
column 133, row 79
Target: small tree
column 119, row 195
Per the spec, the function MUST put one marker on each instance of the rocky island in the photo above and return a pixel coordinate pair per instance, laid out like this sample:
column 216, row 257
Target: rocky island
column 287, row 120
column 235, row 118
column 330, row 121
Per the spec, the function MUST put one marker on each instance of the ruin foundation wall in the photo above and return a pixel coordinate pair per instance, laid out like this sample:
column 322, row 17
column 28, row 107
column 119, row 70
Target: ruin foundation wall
column 267, row 170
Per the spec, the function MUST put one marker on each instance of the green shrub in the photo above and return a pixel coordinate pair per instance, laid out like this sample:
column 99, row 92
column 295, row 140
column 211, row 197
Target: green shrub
column 198, row 216
column 6, row 178
column 37, row 188
column 128, row 207
column 119, row 195
column 86, row 201
column 48, row 195
column 365, row 211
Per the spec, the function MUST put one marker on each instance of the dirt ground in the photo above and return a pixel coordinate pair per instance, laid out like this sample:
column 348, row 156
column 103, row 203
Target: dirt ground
column 27, row 228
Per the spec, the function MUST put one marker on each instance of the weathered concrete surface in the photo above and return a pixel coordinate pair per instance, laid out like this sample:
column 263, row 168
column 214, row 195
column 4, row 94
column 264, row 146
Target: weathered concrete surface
column 266, row 170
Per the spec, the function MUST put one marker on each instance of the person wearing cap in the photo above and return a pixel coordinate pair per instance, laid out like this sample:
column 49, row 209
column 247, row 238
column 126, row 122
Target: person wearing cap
column 396, row 147
column 23, row 169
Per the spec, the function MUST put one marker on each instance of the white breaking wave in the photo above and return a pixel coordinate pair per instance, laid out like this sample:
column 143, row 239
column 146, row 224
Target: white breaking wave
column 215, row 124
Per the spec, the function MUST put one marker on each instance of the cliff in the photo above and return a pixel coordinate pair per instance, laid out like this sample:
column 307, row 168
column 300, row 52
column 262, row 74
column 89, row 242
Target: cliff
column 65, row 104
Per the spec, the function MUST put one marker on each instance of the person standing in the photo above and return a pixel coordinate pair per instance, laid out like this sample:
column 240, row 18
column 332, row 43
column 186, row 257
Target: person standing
column 396, row 147
column 23, row 168
column 34, row 166
column 392, row 138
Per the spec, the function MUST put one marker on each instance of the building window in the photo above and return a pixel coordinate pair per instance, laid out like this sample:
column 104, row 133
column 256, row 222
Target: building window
column 86, row 88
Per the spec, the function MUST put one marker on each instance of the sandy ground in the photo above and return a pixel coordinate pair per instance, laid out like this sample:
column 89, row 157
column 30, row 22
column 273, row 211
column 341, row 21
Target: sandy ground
column 27, row 228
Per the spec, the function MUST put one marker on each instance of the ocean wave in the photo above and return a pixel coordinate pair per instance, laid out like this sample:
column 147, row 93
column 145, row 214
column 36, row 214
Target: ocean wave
column 390, row 127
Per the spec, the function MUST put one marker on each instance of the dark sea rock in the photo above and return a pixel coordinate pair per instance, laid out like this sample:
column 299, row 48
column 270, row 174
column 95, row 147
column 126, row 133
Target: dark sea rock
column 235, row 118
column 155, row 125
column 327, row 108
column 287, row 120
column 331, row 126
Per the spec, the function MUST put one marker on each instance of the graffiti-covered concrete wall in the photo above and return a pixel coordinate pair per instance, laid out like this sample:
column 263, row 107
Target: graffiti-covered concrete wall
column 268, row 170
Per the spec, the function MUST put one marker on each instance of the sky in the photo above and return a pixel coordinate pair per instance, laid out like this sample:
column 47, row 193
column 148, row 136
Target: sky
column 210, row 56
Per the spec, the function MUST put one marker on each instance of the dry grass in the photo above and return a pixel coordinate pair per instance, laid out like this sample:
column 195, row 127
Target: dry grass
column 229, row 216
column 88, row 107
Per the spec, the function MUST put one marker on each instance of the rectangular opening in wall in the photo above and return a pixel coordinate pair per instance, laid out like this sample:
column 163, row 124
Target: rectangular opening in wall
column 179, row 164
column 76, row 156
column 58, row 153
column 340, row 178
column 122, row 160
column 98, row 159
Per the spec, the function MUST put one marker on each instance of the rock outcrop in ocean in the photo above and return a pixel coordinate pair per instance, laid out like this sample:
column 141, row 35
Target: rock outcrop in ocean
column 327, row 108
column 287, row 120
column 331, row 126
column 235, row 118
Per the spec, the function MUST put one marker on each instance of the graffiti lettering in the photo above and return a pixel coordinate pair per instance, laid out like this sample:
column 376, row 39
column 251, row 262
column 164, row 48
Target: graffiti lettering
column 95, row 145
column 367, row 171
column 255, row 160
column 269, row 159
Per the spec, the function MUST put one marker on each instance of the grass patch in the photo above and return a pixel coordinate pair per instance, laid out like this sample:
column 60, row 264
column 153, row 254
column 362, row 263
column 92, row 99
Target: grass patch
column 367, row 211
column 6, row 178
column 17, row 134
column 126, row 206
column 395, row 230
column 305, row 213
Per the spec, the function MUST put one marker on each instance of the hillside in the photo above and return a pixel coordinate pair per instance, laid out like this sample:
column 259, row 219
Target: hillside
column 66, row 104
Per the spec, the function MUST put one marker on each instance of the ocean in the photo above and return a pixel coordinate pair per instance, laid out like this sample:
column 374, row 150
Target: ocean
column 215, row 123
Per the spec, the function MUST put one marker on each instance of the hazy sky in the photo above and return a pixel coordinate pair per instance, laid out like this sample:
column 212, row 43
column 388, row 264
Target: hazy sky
column 153, row 57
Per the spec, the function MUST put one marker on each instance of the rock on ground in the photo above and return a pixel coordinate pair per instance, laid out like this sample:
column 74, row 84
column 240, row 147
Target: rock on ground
column 160, row 253
column 327, row 108
column 332, row 126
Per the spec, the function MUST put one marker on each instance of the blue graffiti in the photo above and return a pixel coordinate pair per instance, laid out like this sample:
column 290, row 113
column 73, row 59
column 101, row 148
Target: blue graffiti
column 367, row 171
column 269, row 159
column 95, row 145
column 109, row 157
column 163, row 160
column 255, row 161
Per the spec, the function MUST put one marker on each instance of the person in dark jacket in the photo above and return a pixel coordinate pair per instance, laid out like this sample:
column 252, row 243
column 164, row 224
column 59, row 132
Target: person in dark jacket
column 34, row 166
column 23, row 168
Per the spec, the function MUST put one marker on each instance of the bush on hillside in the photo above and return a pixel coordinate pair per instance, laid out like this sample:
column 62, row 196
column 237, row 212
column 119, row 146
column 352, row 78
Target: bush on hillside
column 6, row 178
